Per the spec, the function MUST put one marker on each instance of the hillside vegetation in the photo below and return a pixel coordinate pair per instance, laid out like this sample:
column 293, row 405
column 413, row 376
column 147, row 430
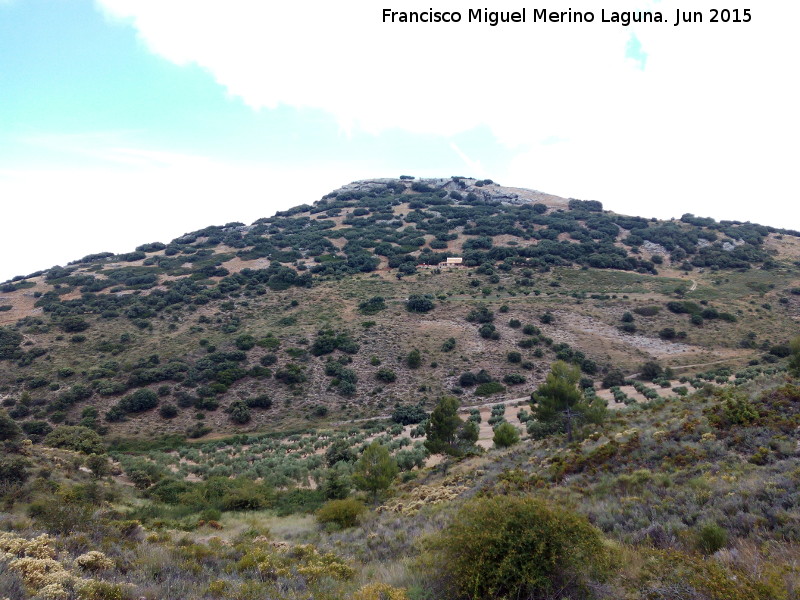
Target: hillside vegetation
column 317, row 310
column 590, row 405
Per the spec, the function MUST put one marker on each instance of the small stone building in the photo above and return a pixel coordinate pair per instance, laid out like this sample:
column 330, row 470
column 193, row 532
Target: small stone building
column 452, row 262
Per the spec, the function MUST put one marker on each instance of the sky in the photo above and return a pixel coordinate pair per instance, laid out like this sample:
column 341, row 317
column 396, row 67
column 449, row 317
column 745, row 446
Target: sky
column 131, row 121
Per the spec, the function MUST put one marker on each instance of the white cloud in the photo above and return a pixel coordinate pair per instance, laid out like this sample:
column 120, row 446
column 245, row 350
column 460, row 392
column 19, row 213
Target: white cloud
column 711, row 120
column 63, row 214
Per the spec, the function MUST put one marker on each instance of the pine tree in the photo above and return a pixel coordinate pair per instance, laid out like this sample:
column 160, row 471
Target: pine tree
column 375, row 470
column 559, row 398
column 442, row 427
column 337, row 482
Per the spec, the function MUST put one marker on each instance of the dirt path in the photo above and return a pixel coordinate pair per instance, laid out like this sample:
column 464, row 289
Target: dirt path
column 705, row 364
column 694, row 285
column 713, row 362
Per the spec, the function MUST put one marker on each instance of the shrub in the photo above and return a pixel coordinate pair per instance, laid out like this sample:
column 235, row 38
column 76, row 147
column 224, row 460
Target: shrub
column 467, row 379
column 36, row 428
column 239, row 412
column 505, row 435
column 711, row 537
column 73, row 324
column 386, row 375
column 9, row 430
column 93, row 589
column 260, row 401
column 512, row 547
column 480, row 314
column 372, row 306
column 268, row 360
column 448, row 344
column 488, row 331
column 291, row 374
column 139, row 401
column 382, row 591
column 651, row 370
column 781, row 351
column 418, row 303
column 339, row 451
column 341, row 513
column 414, row 359
column 94, row 561
column 668, row 333
column 245, row 342
column 514, row 357
column 514, row 379
column 327, row 341
column 489, row 388
column 409, row 415
column 168, row 411
column 77, row 438
column 13, row 470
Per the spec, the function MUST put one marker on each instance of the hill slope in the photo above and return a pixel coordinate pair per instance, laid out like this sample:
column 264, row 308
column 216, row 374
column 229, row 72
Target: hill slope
column 316, row 313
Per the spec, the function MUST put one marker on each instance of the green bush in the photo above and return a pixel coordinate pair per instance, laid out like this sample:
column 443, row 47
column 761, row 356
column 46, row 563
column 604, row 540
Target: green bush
column 487, row 389
column 13, row 470
column 77, row 438
column 418, row 303
column 139, row 401
column 512, row 547
column 239, row 412
column 245, row 342
column 489, row 332
column 73, row 324
column 341, row 513
column 613, row 378
column 372, row 306
column 386, row 375
column 168, row 411
column 505, row 435
column 9, row 430
column 710, row 538
column 409, row 414
column 448, row 344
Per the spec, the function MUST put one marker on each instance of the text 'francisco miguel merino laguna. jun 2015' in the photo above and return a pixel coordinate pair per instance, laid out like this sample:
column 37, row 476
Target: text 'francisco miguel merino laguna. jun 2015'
column 543, row 15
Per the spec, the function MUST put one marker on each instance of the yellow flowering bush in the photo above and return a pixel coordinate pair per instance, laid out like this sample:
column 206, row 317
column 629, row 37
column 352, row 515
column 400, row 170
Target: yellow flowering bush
column 91, row 589
column 15, row 546
column 380, row 591
column 40, row 572
column 94, row 561
column 304, row 559
column 53, row 591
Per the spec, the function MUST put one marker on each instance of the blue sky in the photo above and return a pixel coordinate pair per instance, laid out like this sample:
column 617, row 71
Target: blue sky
column 123, row 122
